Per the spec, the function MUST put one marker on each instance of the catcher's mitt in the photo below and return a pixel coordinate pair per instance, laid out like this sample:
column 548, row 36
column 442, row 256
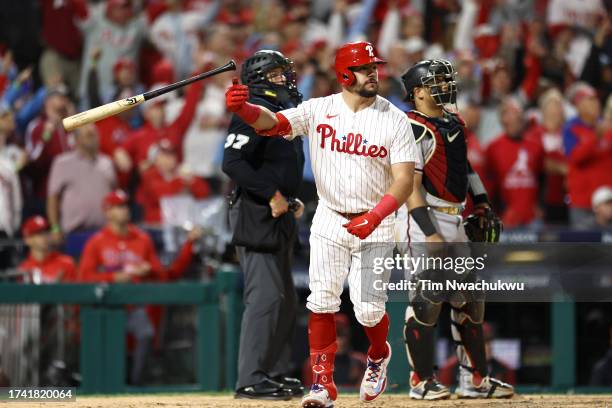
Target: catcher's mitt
column 483, row 226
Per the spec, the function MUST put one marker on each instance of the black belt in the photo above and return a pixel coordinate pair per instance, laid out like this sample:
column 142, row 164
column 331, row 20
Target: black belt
column 350, row 216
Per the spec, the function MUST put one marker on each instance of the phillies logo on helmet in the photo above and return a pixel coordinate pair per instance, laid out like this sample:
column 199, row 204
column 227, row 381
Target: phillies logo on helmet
column 353, row 55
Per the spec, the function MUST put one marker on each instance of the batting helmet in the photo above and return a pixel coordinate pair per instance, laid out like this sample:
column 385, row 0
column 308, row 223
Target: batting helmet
column 433, row 74
column 254, row 71
column 353, row 55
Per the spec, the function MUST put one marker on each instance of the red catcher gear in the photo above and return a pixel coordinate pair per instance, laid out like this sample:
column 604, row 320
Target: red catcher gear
column 353, row 55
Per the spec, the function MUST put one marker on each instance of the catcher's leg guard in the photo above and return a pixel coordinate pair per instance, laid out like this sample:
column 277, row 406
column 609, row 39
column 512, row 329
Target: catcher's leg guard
column 468, row 337
column 421, row 317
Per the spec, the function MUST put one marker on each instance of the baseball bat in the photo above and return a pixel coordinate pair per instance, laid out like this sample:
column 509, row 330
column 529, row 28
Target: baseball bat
column 104, row 111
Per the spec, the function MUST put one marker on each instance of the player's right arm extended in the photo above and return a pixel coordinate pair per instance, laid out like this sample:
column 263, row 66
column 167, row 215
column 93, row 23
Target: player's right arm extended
column 260, row 118
column 417, row 207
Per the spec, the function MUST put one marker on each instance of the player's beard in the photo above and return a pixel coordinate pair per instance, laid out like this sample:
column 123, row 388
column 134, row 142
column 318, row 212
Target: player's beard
column 361, row 90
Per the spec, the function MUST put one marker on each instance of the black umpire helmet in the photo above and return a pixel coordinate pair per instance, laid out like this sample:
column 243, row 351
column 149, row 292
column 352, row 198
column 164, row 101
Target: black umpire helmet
column 432, row 74
column 254, row 75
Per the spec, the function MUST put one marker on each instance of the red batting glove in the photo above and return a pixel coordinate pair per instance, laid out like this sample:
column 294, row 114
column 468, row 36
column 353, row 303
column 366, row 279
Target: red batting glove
column 236, row 96
column 363, row 225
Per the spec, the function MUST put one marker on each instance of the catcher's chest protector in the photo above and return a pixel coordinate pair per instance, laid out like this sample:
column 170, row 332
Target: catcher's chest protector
column 442, row 140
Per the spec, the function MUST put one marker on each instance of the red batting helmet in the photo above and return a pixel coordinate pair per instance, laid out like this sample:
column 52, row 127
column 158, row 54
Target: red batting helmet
column 353, row 55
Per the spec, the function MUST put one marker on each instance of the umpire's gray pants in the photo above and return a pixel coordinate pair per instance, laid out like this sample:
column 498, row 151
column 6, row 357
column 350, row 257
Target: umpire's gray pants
column 270, row 301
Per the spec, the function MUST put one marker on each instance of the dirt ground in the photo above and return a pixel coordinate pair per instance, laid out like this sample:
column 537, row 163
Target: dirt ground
column 386, row 401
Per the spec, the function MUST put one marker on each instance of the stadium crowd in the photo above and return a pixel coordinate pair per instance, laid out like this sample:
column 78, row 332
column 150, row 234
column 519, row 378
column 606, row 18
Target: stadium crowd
column 535, row 84
column 534, row 78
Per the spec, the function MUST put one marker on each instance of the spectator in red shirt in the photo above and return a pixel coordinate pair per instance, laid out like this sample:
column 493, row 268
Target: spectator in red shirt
column 548, row 132
column 514, row 163
column 165, row 179
column 138, row 149
column 64, row 42
column 588, row 150
column 44, row 265
column 120, row 253
column 45, row 139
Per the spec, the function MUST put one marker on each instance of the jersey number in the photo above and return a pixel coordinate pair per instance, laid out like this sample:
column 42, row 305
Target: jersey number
column 240, row 140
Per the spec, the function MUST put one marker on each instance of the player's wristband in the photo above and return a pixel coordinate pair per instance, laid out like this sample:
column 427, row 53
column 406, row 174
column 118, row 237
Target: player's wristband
column 386, row 206
column 249, row 112
column 421, row 216
column 480, row 199
column 56, row 228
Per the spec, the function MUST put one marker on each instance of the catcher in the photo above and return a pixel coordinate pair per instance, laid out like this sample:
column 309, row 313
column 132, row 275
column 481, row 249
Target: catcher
column 435, row 207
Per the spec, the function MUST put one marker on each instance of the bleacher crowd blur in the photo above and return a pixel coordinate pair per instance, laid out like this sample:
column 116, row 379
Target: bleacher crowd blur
column 535, row 78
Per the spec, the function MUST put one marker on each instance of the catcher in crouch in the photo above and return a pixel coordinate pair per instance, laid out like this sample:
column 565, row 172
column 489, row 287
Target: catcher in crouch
column 435, row 207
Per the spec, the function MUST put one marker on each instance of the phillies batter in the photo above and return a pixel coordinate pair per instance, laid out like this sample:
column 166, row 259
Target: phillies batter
column 435, row 205
column 363, row 158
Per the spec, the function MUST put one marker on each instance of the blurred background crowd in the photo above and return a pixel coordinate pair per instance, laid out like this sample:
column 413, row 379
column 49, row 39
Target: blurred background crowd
column 535, row 78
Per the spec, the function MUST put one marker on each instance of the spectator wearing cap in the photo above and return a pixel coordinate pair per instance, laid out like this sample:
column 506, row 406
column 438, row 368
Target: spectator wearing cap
column 548, row 132
column 513, row 165
column 43, row 265
column 166, row 179
column 79, row 180
column 113, row 27
column 45, row 139
column 602, row 206
column 121, row 252
column 448, row 373
column 588, row 150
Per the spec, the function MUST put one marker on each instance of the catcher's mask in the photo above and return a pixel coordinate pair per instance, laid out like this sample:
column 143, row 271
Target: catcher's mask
column 437, row 75
column 255, row 75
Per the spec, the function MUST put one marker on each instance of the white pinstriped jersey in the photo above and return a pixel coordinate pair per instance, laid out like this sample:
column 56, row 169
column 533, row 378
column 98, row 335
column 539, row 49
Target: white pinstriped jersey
column 352, row 152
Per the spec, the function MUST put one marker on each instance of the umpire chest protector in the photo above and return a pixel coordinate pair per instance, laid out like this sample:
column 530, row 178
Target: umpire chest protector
column 445, row 163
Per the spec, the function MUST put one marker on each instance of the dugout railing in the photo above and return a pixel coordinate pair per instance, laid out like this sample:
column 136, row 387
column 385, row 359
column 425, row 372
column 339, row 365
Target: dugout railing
column 103, row 320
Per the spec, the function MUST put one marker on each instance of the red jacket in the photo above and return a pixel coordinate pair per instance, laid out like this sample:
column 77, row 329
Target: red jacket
column 113, row 132
column 155, row 186
column 589, row 161
column 56, row 267
column 42, row 150
column 58, row 29
column 107, row 253
column 139, row 143
column 513, row 167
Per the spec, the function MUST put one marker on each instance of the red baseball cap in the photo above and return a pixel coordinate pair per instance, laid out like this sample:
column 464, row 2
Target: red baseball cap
column 114, row 198
column 166, row 145
column 584, row 91
column 34, row 225
column 122, row 63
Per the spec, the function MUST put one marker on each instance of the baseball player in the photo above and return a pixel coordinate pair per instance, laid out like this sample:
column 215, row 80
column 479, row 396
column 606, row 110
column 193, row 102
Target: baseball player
column 435, row 207
column 363, row 158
